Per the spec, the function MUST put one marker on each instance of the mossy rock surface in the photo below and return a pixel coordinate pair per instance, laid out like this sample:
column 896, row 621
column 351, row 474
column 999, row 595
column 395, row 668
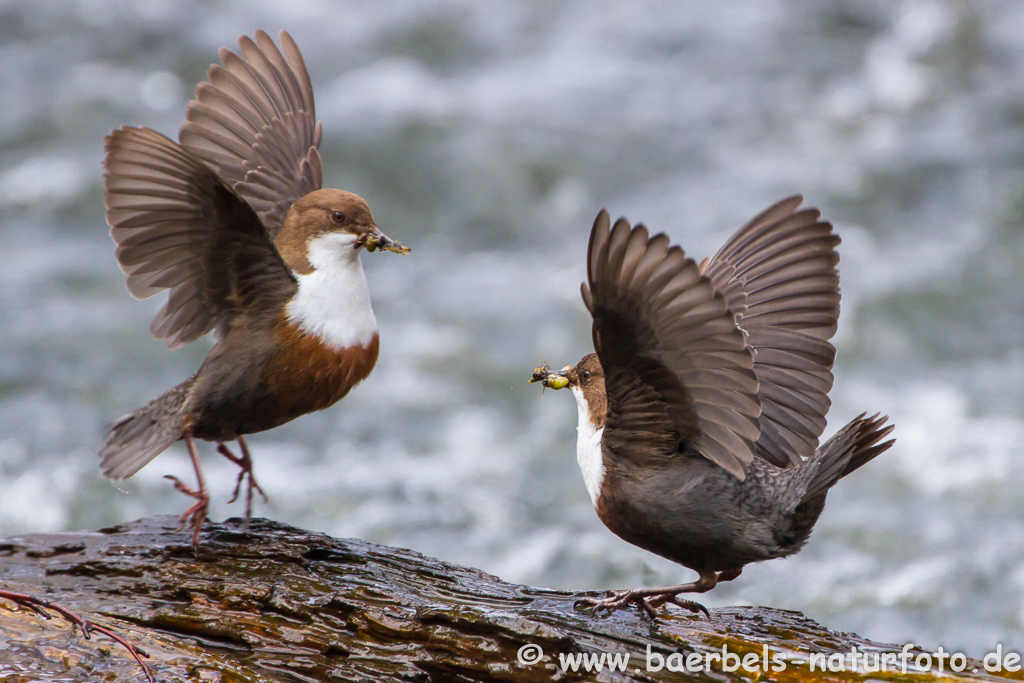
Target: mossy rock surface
column 275, row 603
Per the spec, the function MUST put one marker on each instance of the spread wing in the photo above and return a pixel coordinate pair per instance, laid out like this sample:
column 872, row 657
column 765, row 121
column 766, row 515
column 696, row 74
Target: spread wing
column 177, row 226
column 677, row 370
column 255, row 124
column 778, row 275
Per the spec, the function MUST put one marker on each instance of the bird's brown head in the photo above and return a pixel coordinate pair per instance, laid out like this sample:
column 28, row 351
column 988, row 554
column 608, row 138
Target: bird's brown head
column 585, row 380
column 332, row 220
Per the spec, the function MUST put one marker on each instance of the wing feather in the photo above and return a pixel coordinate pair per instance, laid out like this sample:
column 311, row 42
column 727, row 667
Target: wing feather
column 677, row 369
column 778, row 274
column 177, row 226
column 254, row 123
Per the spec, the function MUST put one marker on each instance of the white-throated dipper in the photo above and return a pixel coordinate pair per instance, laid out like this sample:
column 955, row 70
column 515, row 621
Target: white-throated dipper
column 233, row 221
column 700, row 412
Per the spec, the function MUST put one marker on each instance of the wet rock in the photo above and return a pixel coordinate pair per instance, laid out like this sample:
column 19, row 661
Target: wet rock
column 272, row 602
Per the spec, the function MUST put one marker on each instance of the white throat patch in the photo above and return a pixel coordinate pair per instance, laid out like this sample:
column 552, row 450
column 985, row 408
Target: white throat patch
column 588, row 448
column 333, row 302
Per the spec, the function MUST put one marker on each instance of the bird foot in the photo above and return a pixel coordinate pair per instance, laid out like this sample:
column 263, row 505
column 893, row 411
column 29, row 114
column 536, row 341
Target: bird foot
column 648, row 603
column 245, row 463
column 40, row 607
column 196, row 514
column 674, row 599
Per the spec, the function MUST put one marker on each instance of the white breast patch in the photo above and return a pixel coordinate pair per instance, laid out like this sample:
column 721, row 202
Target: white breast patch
column 588, row 448
column 333, row 302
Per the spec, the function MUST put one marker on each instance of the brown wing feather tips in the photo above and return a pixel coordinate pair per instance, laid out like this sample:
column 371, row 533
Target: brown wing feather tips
column 254, row 122
column 265, row 70
column 175, row 224
column 778, row 273
column 670, row 348
column 148, row 183
column 774, row 213
column 298, row 70
column 598, row 238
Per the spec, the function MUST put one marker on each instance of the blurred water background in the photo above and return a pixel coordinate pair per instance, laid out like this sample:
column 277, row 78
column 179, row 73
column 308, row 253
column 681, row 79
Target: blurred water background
column 486, row 136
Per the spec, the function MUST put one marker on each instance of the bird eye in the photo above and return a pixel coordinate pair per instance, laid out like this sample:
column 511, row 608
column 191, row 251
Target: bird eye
column 586, row 374
column 338, row 217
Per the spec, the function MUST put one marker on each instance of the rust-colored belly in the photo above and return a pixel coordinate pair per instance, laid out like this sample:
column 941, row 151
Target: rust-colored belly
column 308, row 375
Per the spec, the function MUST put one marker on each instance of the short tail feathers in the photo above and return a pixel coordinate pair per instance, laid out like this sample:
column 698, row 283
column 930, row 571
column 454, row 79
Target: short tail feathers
column 141, row 435
column 852, row 446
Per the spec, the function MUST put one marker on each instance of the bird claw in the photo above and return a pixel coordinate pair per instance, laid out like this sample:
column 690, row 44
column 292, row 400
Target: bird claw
column 691, row 605
column 648, row 604
column 197, row 513
column 251, row 485
column 245, row 463
column 616, row 600
column 179, row 485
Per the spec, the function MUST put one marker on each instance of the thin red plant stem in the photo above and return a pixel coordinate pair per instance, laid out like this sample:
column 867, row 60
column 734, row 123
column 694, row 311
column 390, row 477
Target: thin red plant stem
column 40, row 605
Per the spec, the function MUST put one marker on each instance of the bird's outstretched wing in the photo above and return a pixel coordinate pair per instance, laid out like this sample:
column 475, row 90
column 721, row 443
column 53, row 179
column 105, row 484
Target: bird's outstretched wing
column 778, row 275
column 177, row 226
column 678, row 373
column 255, row 124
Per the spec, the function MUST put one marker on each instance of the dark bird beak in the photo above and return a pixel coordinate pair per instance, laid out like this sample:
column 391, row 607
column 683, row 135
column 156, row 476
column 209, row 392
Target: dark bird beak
column 549, row 378
column 375, row 240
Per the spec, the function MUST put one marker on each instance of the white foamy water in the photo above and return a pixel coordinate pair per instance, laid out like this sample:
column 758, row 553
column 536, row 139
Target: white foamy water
column 487, row 137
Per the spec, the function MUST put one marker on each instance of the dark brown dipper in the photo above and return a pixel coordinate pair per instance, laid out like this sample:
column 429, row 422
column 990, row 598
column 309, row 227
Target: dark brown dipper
column 233, row 222
column 700, row 412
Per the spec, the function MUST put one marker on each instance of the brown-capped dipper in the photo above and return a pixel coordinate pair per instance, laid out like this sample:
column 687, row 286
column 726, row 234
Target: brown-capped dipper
column 700, row 412
column 233, row 221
